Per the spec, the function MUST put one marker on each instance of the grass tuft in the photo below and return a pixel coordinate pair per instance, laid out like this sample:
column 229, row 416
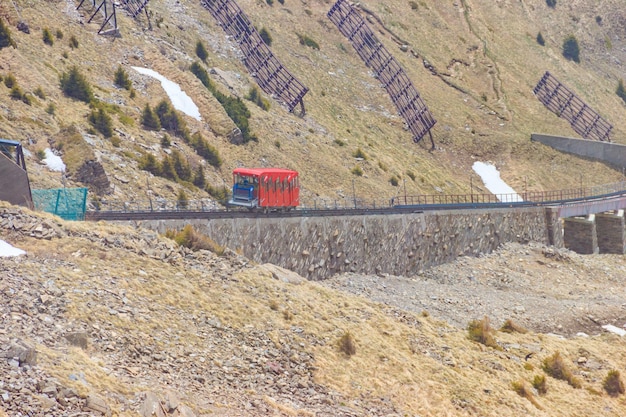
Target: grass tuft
column 347, row 344
column 480, row 331
column 613, row 383
column 523, row 390
column 556, row 367
column 192, row 239
column 511, row 327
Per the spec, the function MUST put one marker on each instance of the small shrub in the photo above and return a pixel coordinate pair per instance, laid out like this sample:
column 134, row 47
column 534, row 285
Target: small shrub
column 307, row 41
column 287, row 315
column 281, row 1
column 599, row 20
column 274, row 305
column 347, row 344
column 5, row 36
column 75, row 85
column 556, row 367
column 510, row 327
column 551, row 3
column 524, row 391
column 205, row 150
column 201, row 51
column 182, row 201
column 47, row 37
column 383, row 166
column 51, row 109
column 480, row 331
column 613, row 384
column 621, row 91
column 149, row 163
column 339, row 142
column 255, row 96
column 73, row 42
column 411, row 175
column 413, row 5
column 165, row 141
column 40, row 93
column 218, row 193
column 277, row 144
column 59, row 34
column 357, row 171
column 394, row 180
column 539, row 383
column 16, row 93
column 41, row 154
column 571, row 50
column 10, row 81
column 121, row 79
column 265, row 35
column 359, row 154
column 192, row 239
column 540, row 40
column 116, row 141
column 270, row 2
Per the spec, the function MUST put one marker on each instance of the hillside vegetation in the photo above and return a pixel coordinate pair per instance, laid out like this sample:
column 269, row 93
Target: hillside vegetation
column 474, row 62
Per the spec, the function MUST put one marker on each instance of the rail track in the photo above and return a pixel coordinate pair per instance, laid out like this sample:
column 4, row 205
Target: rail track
column 404, row 205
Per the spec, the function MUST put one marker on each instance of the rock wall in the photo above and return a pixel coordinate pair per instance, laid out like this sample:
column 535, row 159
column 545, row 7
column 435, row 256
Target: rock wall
column 400, row 244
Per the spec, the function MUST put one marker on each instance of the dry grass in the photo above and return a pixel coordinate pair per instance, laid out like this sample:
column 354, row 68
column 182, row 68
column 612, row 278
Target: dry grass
column 613, row 383
column 523, row 390
column 194, row 240
column 540, row 384
column 556, row 367
column 510, row 326
column 480, row 331
column 347, row 344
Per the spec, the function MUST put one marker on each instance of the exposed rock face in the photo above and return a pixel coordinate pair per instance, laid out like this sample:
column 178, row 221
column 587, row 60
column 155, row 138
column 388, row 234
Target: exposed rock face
column 92, row 174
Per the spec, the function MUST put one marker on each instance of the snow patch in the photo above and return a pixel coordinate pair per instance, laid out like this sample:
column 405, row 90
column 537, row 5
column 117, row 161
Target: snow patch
column 180, row 100
column 7, row 250
column 54, row 162
column 614, row 329
column 496, row 185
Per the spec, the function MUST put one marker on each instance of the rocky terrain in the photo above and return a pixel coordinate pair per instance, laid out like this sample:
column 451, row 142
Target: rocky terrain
column 104, row 320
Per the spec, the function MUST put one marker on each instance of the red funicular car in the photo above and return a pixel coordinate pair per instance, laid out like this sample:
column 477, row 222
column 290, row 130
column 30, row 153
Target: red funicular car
column 266, row 188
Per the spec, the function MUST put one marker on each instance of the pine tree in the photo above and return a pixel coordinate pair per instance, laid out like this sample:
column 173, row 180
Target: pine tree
column 198, row 178
column 571, row 50
column 121, row 79
column 149, row 119
column 76, row 86
column 102, row 122
column 621, row 91
column 201, row 51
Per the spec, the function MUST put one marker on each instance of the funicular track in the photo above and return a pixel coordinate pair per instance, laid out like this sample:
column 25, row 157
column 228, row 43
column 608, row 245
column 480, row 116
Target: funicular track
column 413, row 204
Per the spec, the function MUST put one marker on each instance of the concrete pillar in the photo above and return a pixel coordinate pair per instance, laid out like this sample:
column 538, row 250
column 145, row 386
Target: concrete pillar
column 611, row 233
column 580, row 235
column 554, row 227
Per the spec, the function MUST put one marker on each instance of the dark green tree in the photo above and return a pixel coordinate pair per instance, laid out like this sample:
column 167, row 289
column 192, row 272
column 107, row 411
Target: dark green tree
column 167, row 169
column 102, row 122
column 571, row 51
column 198, row 178
column 121, row 79
column 540, row 40
column 551, row 3
column 201, row 51
column 149, row 163
column 205, row 150
column 180, row 165
column 149, row 119
column 265, row 35
column 621, row 91
column 75, row 85
column 5, row 36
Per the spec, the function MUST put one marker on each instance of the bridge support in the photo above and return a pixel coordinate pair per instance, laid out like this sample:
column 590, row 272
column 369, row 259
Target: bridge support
column 580, row 235
column 611, row 232
column 554, row 227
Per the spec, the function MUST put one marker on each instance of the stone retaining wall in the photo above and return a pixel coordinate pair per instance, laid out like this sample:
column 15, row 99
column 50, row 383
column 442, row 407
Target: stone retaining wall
column 401, row 244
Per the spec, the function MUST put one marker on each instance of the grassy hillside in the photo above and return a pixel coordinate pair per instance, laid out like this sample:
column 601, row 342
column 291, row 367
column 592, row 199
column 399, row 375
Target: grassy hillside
column 474, row 62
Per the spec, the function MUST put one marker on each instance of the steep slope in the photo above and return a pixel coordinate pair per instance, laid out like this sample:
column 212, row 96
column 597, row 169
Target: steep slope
column 474, row 62
column 102, row 318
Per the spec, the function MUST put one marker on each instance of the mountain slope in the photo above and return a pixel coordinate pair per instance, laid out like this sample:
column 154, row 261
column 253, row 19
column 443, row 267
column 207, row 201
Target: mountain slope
column 474, row 63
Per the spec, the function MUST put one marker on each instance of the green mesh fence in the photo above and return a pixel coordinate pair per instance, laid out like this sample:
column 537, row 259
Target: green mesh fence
column 67, row 203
